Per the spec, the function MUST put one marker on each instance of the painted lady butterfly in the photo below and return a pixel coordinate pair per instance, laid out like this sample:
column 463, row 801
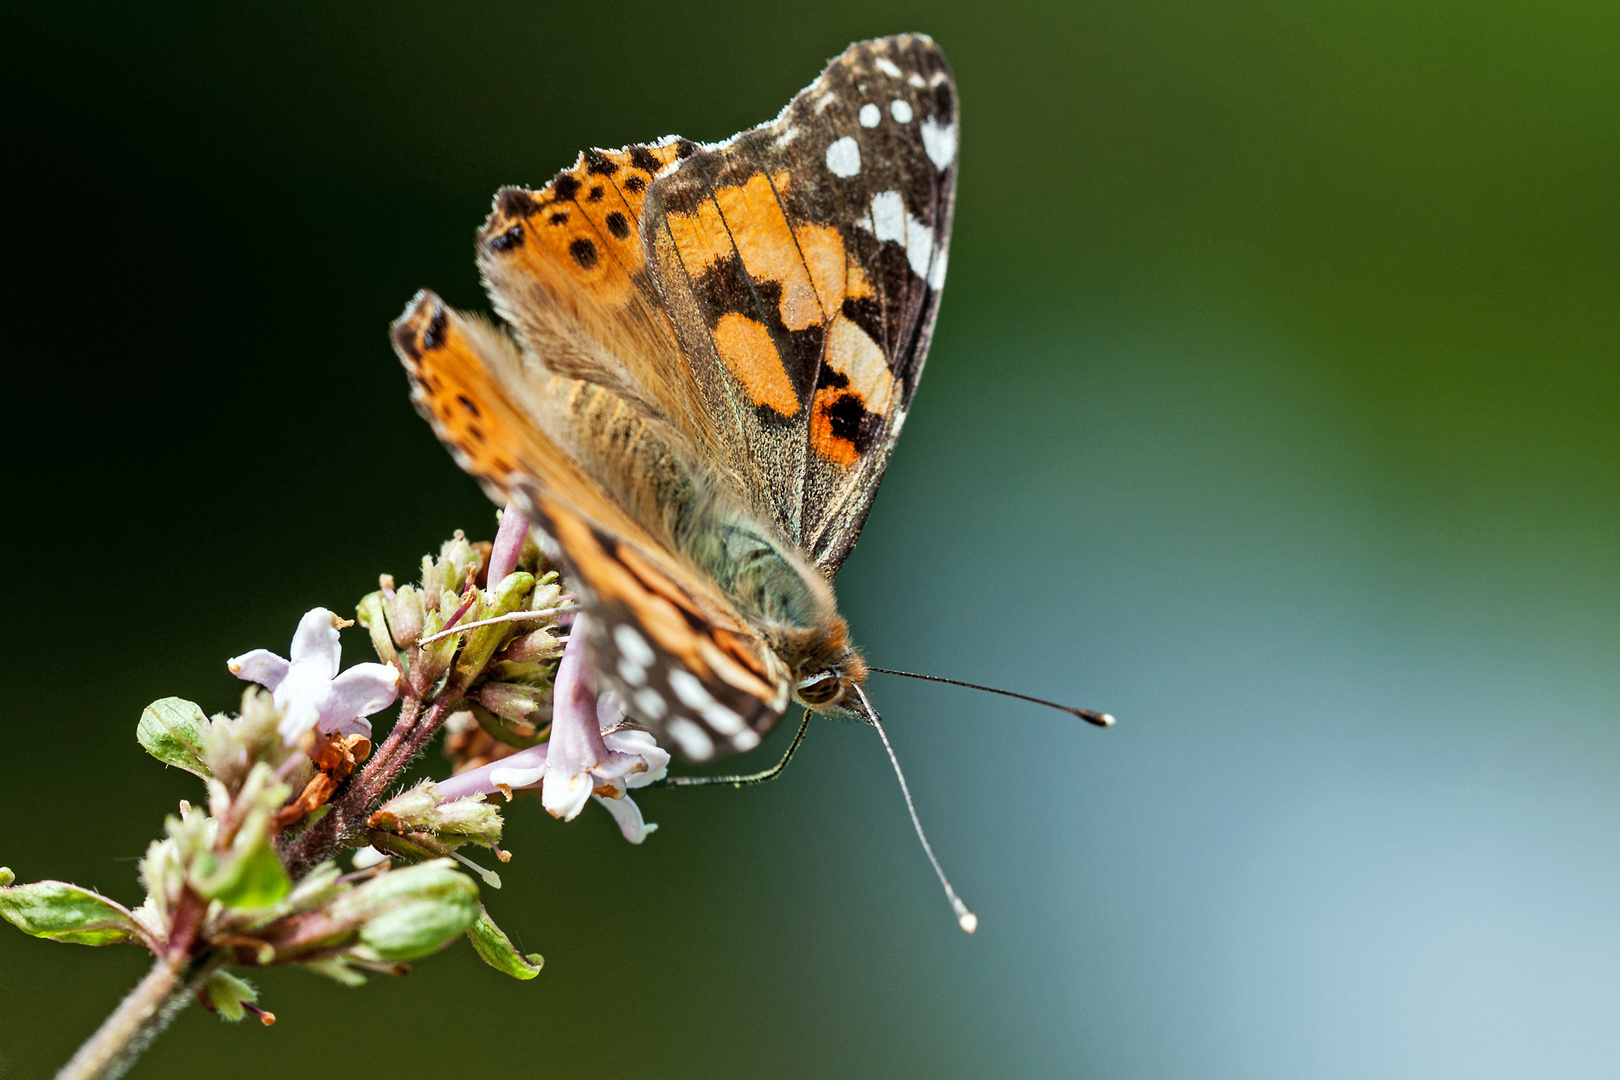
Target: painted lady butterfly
column 711, row 350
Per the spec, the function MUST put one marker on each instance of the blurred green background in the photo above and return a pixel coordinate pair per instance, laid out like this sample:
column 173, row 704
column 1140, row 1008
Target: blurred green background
column 1273, row 407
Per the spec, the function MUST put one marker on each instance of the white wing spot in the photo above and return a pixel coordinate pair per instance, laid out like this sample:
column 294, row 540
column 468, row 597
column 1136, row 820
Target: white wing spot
column 936, row 273
column 939, row 142
column 650, row 704
column 693, row 740
column 885, row 65
column 892, row 221
column 916, row 80
column 939, row 77
column 825, row 100
column 889, row 216
column 870, row 115
column 844, row 157
column 632, row 645
column 631, row 672
column 695, row 695
column 786, row 137
column 900, row 110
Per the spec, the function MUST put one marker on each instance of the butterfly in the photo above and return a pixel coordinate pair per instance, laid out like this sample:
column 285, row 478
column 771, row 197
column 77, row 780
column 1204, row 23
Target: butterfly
column 705, row 356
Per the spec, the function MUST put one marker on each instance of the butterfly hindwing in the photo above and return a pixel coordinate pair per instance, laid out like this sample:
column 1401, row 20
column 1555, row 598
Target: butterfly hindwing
column 700, row 680
column 682, row 662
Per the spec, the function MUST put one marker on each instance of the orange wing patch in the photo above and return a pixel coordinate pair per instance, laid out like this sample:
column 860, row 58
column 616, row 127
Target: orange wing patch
column 451, row 387
column 806, row 259
column 457, row 367
column 750, row 355
column 856, row 393
column 587, row 219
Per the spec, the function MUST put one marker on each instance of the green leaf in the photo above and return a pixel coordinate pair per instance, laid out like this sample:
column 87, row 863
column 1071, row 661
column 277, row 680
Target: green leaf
column 171, row 730
column 498, row 951
column 63, row 912
column 249, row 878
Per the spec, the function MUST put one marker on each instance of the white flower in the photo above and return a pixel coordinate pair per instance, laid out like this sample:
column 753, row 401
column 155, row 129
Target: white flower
column 587, row 756
column 308, row 689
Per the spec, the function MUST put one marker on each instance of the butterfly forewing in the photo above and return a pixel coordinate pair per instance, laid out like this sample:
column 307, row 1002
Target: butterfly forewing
column 804, row 260
column 712, row 351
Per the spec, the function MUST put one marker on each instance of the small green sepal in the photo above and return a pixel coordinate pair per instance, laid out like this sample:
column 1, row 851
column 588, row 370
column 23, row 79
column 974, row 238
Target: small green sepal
column 225, row 994
column 497, row 950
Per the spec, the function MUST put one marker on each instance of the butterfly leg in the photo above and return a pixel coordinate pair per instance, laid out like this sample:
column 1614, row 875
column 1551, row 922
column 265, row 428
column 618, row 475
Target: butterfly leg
column 746, row 779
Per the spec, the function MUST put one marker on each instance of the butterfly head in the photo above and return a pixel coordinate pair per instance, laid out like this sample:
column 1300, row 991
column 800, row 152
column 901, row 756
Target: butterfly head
column 825, row 680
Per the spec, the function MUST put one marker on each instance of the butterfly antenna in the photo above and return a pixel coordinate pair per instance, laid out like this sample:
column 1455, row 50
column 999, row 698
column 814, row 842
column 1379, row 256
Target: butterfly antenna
column 1090, row 716
column 964, row 916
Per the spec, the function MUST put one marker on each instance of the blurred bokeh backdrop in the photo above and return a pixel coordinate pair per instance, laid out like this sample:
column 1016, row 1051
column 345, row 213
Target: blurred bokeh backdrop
column 1273, row 407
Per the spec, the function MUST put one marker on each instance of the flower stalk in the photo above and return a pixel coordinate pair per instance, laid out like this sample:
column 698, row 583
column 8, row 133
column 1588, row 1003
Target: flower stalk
column 140, row 1017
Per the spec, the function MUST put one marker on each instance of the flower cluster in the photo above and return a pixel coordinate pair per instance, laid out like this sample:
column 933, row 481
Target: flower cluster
column 485, row 647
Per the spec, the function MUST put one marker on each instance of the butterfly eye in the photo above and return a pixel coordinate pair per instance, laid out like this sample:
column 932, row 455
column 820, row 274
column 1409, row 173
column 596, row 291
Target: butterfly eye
column 820, row 689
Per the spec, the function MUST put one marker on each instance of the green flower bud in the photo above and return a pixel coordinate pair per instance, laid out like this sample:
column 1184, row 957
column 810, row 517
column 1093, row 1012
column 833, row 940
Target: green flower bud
column 449, row 603
column 514, row 701
column 409, row 913
column 163, row 873
column 248, row 873
column 541, row 673
column 503, row 599
column 434, row 659
column 63, row 912
column 370, row 614
column 497, row 949
column 405, row 616
column 422, row 809
column 448, row 573
column 172, row 730
column 519, row 733
column 233, row 746
column 534, row 647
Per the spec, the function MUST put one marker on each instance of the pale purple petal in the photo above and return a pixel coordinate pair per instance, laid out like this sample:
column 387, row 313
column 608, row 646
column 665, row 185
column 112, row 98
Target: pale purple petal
column 296, row 719
column 360, row 691
column 478, row 781
column 354, row 725
column 628, row 815
column 642, row 746
column 508, row 546
column 316, row 642
column 576, row 740
column 516, row 778
column 259, row 666
column 300, row 697
column 367, row 857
